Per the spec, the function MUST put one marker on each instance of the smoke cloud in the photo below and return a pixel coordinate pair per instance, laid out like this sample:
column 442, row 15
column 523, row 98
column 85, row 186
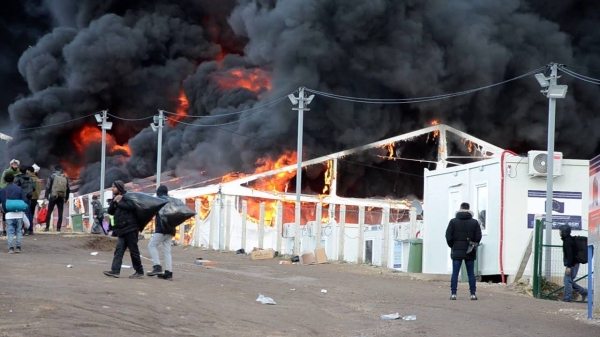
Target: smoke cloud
column 139, row 56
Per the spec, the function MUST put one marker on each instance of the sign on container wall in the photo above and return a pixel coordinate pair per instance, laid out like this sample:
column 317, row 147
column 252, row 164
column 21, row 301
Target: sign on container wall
column 566, row 208
column 594, row 206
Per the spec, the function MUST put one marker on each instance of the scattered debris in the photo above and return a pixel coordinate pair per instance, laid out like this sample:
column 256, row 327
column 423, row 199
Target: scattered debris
column 125, row 266
column 241, row 251
column 324, row 291
column 94, row 253
column 265, row 300
column 295, row 259
column 390, row 316
column 70, row 266
column 285, row 262
column 410, row 318
column 263, row 254
column 321, row 256
column 308, row 258
column 205, row 263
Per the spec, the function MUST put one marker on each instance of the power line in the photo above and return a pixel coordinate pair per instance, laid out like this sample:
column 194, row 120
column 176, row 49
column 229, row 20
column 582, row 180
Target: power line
column 131, row 119
column 269, row 104
column 579, row 76
column 55, row 124
column 418, row 99
column 229, row 123
column 582, row 68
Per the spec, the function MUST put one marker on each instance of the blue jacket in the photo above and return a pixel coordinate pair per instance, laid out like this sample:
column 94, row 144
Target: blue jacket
column 12, row 192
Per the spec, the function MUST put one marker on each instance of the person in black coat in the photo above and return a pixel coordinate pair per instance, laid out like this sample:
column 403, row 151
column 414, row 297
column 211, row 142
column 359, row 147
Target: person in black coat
column 126, row 229
column 572, row 265
column 462, row 230
column 162, row 236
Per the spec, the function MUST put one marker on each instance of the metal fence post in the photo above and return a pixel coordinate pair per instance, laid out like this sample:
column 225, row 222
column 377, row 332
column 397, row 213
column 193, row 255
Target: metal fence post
column 537, row 259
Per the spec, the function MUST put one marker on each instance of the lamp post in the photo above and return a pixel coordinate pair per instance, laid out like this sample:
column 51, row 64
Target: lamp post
column 104, row 125
column 157, row 126
column 300, row 101
column 553, row 92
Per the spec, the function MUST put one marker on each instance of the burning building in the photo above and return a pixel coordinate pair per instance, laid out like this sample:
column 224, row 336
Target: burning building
column 265, row 198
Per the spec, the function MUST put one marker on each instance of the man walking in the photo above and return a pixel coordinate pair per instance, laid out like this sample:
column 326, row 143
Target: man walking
column 57, row 194
column 33, row 203
column 162, row 236
column 463, row 231
column 26, row 182
column 571, row 264
column 126, row 229
column 13, row 169
column 98, row 216
column 14, row 218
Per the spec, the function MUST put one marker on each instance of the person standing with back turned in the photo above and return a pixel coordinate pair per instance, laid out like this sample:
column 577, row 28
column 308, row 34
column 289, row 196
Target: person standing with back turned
column 162, row 236
column 57, row 194
column 126, row 228
column 571, row 265
column 462, row 229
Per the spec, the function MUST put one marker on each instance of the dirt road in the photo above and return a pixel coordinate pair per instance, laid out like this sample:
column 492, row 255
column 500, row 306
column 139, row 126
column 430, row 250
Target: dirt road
column 40, row 296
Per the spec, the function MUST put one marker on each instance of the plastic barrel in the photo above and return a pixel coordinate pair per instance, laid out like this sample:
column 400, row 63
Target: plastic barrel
column 415, row 256
column 77, row 222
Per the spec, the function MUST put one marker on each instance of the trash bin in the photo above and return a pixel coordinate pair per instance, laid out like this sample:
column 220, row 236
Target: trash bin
column 415, row 256
column 463, row 269
column 77, row 222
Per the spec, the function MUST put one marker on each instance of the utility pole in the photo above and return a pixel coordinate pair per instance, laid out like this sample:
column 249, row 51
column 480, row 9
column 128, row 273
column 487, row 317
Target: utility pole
column 104, row 125
column 553, row 92
column 301, row 101
column 550, row 169
column 157, row 126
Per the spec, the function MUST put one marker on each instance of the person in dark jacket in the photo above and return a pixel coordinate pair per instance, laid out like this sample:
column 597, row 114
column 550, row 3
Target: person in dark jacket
column 56, row 200
column 126, row 229
column 462, row 229
column 98, row 215
column 162, row 236
column 14, row 219
column 571, row 264
column 26, row 182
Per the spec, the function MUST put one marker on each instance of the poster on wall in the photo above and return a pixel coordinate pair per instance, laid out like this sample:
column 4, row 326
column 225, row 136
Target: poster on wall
column 397, row 255
column 594, row 205
column 566, row 208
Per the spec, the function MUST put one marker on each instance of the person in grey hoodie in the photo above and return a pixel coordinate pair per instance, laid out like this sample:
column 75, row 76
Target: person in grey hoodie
column 162, row 236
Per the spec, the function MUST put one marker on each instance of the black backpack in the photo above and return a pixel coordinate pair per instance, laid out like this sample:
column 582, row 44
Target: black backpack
column 28, row 186
column 581, row 249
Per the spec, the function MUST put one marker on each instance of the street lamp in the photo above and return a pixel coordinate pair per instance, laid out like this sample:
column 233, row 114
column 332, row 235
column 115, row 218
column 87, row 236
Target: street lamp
column 301, row 101
column 553, row 92
column 157, row 126
column 104, row 125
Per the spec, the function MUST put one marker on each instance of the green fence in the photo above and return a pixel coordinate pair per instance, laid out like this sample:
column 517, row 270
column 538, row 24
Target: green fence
column 549, row 269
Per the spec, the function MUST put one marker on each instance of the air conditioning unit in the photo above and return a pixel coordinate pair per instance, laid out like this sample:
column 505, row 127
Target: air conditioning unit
column 538, row 163
column 311, row 228
column 400, row 231
column 288, row 230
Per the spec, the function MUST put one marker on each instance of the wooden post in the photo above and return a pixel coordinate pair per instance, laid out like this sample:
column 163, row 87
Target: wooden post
column 227, row 225
column 261, row 226
column 318, row 225
column 244, row 215
column 297, row 230
column 361, row 234
column 279, row 226
column 342, row 233
column 386, row 237
column 198, row 208
column 214, row 221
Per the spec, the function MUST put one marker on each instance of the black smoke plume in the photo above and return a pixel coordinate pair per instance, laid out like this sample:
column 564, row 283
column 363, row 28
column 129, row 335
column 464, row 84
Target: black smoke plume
column 134, row 57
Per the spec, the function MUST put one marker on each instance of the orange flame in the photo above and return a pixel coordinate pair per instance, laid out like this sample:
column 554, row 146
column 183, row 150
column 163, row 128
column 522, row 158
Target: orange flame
column 436, row 133
column 469, row 145
column 254, row 80
column 328, row 176
column 182, row 109
column 90, row 134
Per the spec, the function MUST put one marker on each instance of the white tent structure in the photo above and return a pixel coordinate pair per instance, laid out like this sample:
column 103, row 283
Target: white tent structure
column 224, row 223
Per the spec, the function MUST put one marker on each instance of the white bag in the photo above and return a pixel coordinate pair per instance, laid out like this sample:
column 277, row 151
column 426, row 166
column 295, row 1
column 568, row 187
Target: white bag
column 26, row 223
